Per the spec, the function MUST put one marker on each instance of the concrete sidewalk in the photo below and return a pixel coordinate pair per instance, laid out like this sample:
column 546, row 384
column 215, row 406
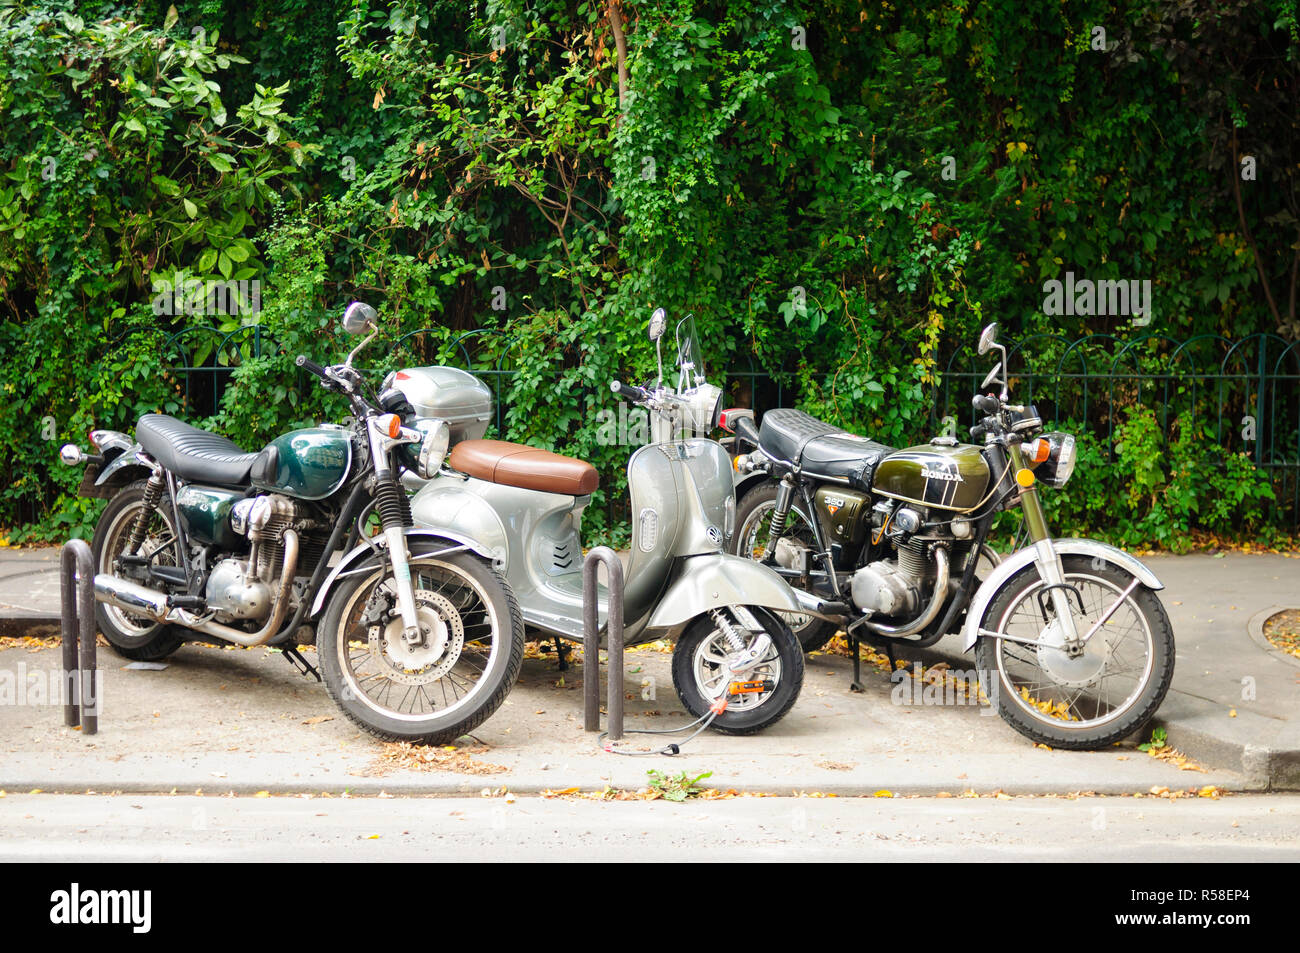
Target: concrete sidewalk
column 244, row 721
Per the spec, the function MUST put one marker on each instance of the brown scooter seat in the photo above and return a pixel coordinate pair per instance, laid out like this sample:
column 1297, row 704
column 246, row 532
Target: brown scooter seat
column 516, row 464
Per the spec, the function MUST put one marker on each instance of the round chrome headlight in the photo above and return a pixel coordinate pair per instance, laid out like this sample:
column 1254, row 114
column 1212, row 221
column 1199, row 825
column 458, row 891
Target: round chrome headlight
column 433, row 448
column 1059, row 451
column 705, row 405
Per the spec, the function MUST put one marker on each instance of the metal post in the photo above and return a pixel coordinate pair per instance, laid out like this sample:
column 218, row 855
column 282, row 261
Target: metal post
column 78, row 631
column 591, row 642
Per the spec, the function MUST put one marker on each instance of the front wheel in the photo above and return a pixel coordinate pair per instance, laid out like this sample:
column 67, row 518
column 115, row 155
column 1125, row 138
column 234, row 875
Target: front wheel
column 1091, row 699
column 700, row 674
column 448, row 684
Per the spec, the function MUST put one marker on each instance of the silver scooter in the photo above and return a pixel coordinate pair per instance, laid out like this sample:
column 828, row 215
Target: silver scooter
column 522, row 508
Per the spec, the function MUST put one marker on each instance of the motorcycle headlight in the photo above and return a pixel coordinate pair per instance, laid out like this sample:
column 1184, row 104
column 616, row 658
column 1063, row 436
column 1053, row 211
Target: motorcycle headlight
column 1052, row 456
column 433, row 448
column 705, row 406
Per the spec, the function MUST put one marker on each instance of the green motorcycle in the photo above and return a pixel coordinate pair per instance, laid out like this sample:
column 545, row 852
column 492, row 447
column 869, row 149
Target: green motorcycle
column 1071, row 641
column 417, row 637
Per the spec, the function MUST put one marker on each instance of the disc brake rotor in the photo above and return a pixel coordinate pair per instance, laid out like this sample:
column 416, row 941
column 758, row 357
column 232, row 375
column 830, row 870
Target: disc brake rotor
column 444, row 637
column 1079, row 671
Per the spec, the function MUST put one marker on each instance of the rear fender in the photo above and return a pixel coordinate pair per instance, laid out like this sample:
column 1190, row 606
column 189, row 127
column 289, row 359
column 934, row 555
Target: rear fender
column 127, row 466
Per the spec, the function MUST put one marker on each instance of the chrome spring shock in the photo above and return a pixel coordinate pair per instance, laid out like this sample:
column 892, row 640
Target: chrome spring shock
column 153, row 492
column 784, row 498
column 735, row 641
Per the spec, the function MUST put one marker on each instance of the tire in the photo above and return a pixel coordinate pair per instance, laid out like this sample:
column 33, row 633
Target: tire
column 756, row 506
column 131, row 637
column 767, row 708
column 492, row 611
column 1140, row 620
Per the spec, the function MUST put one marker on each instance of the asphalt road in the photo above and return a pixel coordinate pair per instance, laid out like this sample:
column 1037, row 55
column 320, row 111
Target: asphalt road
column 88, row 828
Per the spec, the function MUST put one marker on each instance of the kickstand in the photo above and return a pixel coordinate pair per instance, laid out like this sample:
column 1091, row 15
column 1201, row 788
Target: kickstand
column 562, row 652
column 297, row 661
column 856, row 685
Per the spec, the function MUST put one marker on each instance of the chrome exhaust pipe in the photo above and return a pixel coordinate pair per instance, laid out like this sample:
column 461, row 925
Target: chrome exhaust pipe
column 141, row 600
column 937, row 600
column 820, row 608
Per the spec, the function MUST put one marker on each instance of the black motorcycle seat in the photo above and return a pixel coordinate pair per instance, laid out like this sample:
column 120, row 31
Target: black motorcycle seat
column 820, row 449
column 193, row 454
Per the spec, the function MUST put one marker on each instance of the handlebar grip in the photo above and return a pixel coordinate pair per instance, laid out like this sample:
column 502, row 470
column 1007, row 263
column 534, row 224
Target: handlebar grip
column 302, row 361
column 628, row 390
column 986, row 405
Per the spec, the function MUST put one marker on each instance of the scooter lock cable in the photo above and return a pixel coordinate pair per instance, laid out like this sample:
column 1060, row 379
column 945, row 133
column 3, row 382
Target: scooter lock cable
column 716, row 709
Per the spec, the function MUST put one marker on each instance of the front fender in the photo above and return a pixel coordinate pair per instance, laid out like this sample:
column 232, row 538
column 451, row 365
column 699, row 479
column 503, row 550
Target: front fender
column 1017, row 561
column 356, row 558
column 713, row 580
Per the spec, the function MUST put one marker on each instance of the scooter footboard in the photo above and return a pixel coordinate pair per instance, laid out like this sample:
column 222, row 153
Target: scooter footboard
column 711, row 580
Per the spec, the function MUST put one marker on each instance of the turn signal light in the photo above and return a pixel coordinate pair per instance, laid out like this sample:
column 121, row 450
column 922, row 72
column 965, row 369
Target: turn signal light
column 1038, row 451
column 390, row 424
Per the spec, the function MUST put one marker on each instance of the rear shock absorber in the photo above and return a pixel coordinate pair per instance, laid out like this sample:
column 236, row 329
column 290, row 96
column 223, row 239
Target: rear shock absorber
column 784, row 498
column 153, row 491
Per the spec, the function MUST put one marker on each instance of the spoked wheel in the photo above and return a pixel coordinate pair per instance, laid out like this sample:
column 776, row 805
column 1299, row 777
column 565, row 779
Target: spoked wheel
column 133, row 636
column 701, row 674
column 751, row 540
column 435, row 690
column 1092, row 698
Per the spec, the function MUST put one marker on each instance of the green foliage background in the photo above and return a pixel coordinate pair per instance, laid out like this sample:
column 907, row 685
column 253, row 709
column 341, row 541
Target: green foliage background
column 778, row 169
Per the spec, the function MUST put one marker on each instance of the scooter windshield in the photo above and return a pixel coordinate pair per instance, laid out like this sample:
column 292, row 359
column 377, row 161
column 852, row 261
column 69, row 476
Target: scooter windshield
column 690, row 357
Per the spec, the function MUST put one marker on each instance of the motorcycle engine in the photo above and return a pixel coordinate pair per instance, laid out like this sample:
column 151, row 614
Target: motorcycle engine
column 895, row 587
column 236, row 595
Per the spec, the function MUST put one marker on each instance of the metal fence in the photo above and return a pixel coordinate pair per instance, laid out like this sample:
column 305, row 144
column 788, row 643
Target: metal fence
column 1244, row 392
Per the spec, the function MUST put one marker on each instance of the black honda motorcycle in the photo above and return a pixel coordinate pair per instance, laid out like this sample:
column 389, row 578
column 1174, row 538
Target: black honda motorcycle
column 418, row 638
column 891, row 546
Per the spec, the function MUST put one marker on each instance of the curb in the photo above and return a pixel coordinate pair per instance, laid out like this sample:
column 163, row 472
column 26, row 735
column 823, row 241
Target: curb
column 1185, row 720
column 17, row 626
column 372, row 787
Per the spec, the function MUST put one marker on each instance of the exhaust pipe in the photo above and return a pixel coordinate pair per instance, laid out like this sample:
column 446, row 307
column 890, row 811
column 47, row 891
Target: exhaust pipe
column 936, row 603
column 141, row 600
column 812, row 605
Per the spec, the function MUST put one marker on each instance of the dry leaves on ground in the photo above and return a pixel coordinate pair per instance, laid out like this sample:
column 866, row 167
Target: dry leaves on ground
column 403, row 754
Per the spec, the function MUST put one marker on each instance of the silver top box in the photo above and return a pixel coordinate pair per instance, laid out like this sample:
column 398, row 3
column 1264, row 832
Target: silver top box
column 456, row 396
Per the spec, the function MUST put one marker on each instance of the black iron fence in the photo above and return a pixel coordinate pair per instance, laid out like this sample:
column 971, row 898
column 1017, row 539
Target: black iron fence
column 1245, row 391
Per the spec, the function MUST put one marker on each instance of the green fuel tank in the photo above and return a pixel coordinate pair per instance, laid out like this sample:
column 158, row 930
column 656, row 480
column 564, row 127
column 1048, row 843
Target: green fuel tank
column 309, row 464
column 944, row 477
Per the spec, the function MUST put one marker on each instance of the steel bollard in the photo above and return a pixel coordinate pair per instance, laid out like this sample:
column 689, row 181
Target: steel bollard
column 591, row 643
column 77, row 569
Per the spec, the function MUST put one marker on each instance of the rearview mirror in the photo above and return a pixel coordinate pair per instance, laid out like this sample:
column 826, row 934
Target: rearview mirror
column 359, row 317
column 988, row 337
column 658, row 322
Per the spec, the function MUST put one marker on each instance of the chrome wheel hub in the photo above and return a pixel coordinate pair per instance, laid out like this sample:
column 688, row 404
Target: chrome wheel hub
column 443, row 637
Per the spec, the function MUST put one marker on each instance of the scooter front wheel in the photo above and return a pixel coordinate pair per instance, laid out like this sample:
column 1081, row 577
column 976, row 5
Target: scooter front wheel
column 766, row 692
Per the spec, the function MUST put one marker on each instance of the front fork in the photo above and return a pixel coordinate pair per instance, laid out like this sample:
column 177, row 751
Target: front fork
column 1047, row 559
column 389, row 503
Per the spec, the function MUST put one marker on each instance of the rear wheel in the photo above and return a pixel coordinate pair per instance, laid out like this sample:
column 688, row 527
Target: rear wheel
column 434, row 692
column 700, row 673
column 134, row 637
column 751, row 540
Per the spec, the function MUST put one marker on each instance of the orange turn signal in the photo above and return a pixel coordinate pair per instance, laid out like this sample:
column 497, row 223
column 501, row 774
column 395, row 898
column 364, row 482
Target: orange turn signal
column 1038, row 451
column 390, row 424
